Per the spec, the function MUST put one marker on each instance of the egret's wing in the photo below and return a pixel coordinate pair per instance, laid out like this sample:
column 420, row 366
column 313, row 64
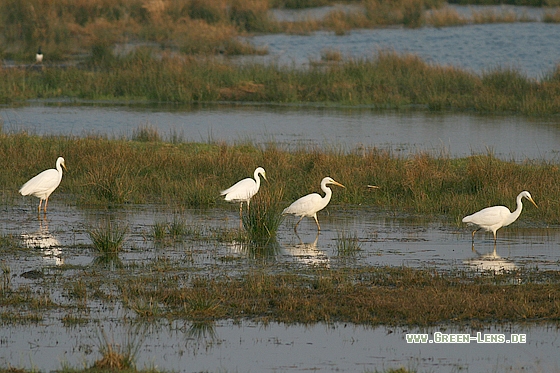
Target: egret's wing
column 306, row 205
column 488, row 216
column 42, row 183
column 242, row 190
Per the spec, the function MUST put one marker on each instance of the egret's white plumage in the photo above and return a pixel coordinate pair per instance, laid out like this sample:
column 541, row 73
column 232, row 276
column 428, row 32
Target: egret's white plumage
column 310, row 204
column 42, row 185
column 493, row 218
column 245, row 189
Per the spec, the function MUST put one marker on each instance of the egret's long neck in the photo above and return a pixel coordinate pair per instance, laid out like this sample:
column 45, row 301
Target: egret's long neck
column 257, row 179
column 514, row 215
column 59, row 168
column 328, row 194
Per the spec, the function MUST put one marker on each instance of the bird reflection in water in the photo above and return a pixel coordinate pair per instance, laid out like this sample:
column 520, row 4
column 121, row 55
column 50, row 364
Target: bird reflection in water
column 490, row 262
column 45, row 241
column 308, row 253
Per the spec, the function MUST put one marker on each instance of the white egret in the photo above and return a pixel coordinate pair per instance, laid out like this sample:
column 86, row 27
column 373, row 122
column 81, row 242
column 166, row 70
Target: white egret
column 310, row 204
column 42, row 185
column 493, row 218
column 39, row 56
column 244, row 190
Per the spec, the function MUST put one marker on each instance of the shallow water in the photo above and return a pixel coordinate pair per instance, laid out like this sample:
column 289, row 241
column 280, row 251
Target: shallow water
column 248, row 347
column 383, row 240
column 455, row 135
column 245, row 347
column 533, row 48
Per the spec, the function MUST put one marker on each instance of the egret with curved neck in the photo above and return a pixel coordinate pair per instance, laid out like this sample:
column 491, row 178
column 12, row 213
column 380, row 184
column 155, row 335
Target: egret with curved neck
column 42, row 185
column 310, row 204
column 244, row 190
column 493, row 218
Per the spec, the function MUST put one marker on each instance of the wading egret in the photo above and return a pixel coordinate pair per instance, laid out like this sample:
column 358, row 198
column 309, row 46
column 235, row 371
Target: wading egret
column 244, row 190
column 493, row 218
column 309, row 205
column 42, row 185
column 39, row 56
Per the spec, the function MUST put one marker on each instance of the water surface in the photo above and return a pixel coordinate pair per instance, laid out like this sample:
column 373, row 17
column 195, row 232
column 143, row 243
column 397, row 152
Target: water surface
column 533, row 48
column 452, row 134
column 186, row 347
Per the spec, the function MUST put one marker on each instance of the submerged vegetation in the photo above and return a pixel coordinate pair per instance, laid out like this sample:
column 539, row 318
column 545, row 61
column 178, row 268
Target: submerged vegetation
column 192, row 174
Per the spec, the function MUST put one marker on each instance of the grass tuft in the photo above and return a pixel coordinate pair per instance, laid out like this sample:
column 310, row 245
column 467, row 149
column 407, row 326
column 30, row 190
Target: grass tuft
column 264, row 216
column 108, row 238
column 115, row 357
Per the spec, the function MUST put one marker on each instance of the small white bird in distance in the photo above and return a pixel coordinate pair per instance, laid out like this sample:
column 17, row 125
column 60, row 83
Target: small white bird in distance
column 39, row 56
column 493, row 218
column 310, row 204
column 244, row 190
column 42, row 185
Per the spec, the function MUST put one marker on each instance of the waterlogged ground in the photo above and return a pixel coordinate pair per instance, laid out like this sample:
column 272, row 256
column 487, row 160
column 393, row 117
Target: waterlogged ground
column 384, row 239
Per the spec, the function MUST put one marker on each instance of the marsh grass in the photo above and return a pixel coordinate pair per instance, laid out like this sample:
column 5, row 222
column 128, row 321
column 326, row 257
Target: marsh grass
column 176, row 230
column 386, row 80
column 552, row 16
column 70, row 29
column 108, row 237
column 116, row 357
column 191, row 175
column 444, row 17
column 146, row 133
column 370, row 295
column 262, row 219
column 6, row 280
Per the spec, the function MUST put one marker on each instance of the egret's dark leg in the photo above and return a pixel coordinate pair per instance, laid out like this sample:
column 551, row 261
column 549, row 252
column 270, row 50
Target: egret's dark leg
column 295, row 226
column 476, row 230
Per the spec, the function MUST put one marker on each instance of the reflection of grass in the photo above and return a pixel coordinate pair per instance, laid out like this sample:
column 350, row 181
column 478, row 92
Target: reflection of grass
column 347, row 244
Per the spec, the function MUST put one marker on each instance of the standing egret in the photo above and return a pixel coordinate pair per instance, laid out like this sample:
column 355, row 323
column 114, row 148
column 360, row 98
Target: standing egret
column 309, row 205
column 42, row 185
column 495, row 217
column 244, row 190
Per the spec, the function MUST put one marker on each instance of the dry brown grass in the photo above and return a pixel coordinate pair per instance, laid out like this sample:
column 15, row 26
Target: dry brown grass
column 444, row 17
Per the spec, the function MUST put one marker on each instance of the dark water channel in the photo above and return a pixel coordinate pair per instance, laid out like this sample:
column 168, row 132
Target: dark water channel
column 383, row 239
